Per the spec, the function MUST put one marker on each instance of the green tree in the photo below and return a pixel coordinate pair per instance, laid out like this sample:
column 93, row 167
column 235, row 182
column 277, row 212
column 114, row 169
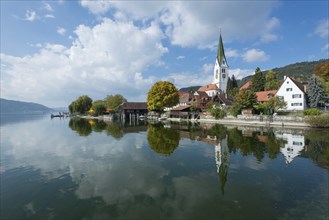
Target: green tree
column 232, row 86
column 81, row 105
column 162, row 94
column 99, row 107
column 245, row 99
column 271, row 81
column 229, row 85
column 114, row 102
column 315, row 92
column 258, row 81
column 274, row 103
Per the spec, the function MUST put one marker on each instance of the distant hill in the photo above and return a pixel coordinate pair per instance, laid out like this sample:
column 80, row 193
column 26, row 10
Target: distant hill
column 16, row 107
column 300, row 71
column 188, row 89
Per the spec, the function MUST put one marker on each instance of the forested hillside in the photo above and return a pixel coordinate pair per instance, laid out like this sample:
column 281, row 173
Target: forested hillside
column 300, row 71
column 10, row 106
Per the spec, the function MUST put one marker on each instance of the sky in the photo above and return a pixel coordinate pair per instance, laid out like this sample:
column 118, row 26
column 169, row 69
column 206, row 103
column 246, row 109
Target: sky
column 52, row 52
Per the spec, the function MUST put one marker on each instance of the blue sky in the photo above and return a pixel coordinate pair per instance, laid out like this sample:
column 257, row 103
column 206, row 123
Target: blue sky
column 54, row 51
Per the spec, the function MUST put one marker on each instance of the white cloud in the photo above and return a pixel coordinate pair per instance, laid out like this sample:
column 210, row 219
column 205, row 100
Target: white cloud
column 180, row 57
column 241, row 73
column 197, row 24
column 322, row 29
column 325, row 47
column 31, row 15
column 49, row 16
column 96, row 7
column 105, row 59
column 207, row 68
column 231, row 53
column 61, row 31
column 255, row 55
column 47, row 7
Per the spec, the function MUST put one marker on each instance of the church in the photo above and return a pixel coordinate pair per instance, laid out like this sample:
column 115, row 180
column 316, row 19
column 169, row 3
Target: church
column 221, row 73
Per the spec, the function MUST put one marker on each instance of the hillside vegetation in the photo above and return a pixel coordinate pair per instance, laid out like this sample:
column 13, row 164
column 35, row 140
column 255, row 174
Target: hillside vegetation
column 300, row 71
column 16, row 107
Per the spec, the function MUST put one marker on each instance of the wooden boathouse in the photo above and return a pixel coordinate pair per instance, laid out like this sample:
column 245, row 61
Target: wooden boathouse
column 133, row 110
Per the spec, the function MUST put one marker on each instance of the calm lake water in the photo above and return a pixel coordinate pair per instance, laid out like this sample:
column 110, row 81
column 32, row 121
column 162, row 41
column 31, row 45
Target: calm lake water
column 85, row 169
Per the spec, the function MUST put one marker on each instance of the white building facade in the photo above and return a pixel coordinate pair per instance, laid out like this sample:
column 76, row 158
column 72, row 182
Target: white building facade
column 293, row 94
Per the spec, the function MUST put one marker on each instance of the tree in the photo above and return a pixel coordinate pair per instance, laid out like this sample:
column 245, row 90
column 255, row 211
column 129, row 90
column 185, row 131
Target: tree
column 322, row 71
column 315, row 92
column 246, row 99
column 229, row 85
column 114, row 102
column 98, row 107
column 81, row 105
column 234, row 82
column 162, row 94
column 274, row 103
column 271, row 81
column 232, row 86
column 258, row 81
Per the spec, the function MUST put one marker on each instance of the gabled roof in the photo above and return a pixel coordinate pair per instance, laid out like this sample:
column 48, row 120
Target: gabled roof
column 208, row 87
column 220, row 52
column 224, row 98
column 265, row 96
column 298, row 84
column 201, row 94
column 247, row 85
column 185, row 97
column 135, row 105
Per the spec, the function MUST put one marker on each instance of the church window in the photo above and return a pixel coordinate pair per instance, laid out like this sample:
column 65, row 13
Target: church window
column 223, row 70
column 224, row 76
column 217, row 74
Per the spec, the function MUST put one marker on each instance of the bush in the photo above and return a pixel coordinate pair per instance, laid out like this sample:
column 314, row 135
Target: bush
column 217, row 113
column 312, row 111
column 318, row 121
column 235, row 110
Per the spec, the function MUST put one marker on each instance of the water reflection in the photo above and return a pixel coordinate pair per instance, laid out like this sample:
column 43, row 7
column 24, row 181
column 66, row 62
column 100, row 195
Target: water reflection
column 118, row 171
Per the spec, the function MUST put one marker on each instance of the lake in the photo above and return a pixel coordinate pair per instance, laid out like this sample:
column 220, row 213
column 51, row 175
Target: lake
column 86, row 169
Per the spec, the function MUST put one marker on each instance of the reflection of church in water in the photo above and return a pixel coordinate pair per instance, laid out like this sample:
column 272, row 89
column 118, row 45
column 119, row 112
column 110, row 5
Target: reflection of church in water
column 222, row 156
column 293, row 146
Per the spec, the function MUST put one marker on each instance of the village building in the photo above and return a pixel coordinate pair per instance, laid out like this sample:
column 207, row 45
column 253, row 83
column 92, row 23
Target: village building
column 265, row 96
column 246, row 86
column 133, row 110
column 293, row 93
column 210, row 89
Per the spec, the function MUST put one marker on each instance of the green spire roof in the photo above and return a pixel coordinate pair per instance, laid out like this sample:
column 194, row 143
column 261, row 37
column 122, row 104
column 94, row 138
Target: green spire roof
column 221, row 53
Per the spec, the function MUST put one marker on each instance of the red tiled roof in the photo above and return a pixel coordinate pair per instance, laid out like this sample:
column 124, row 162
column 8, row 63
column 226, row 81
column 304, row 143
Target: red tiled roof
column 208, row 87
column 264, row 96
column 247, row 85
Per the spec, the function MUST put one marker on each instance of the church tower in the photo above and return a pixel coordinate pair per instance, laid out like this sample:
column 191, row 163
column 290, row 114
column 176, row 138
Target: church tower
column 221, row 68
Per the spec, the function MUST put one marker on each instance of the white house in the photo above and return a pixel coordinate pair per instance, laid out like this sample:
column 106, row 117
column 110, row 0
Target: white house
column 221, row 68
column 293, row 93
column 293, row 147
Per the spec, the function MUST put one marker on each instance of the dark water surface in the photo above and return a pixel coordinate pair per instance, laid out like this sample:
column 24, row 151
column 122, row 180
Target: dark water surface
column 84, row 169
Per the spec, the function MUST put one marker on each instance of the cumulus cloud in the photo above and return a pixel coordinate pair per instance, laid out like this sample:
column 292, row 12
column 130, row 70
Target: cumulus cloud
column 96, row 7
column 197, row 24
column 105, row 59
column 254, row 55
column 47, row 6
column 322, row 29
column 31, row 15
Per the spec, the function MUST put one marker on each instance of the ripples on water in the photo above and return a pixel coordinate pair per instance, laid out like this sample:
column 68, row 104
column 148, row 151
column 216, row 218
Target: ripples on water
column 85, row 169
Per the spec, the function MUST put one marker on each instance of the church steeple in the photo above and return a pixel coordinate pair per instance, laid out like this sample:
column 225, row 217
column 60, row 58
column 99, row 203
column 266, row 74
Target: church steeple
column 220, row 52
column 221, row 67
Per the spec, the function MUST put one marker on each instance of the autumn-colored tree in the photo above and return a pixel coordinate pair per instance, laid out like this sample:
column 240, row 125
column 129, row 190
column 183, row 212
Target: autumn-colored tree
column 162, row 94
column 258, row 81
column 322, row 71
column 246, row 99
column 271, row 81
